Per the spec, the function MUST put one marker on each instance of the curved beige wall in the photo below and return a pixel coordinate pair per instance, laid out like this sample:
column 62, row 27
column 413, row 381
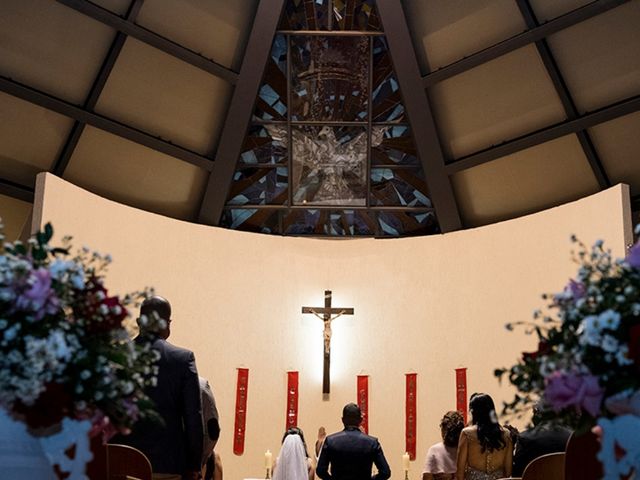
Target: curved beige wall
column 427, row 305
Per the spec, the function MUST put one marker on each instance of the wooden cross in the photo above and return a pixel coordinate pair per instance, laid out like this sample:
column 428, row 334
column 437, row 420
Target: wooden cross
column 327, row 314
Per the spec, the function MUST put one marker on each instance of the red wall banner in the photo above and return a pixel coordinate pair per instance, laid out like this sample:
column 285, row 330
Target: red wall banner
column 411, row 414
column 461, row 392
column 292, row 400
column 363, row 400
column 242, row 389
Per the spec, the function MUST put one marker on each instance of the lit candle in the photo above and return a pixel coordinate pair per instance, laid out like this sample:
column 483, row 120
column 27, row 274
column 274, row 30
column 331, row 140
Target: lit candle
column 405, row 462
column 268, row 460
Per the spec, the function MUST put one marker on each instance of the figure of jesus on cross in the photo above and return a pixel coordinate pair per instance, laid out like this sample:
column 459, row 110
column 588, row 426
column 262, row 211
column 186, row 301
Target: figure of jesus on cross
column 327, row 314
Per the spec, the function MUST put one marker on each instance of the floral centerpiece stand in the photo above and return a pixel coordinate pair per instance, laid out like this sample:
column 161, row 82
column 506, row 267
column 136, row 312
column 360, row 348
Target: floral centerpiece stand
column 68, row 368
column 585, row 373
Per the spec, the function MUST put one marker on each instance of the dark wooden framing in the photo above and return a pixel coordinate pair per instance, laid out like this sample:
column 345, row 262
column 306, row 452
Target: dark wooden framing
column 605, row 114
column 16, row 190
column 518, row 41
column 248, row 81
column 419, row 114
column 240, row 110
column 62, row 161
column 565, row 96
column 79, row 114
column 147, row 36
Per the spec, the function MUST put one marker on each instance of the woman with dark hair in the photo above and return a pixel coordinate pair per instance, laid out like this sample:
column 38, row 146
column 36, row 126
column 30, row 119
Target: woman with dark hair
column 485, row 450
column 441, row 457
column 293, row 462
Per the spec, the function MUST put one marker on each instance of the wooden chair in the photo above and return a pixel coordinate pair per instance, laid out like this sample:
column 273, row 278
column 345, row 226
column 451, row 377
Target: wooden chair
column 124, row 462
column 546, row 467
column 580, row 461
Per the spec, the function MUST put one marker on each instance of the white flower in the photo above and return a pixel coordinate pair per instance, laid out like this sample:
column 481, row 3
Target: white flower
column 609, row 319
column 589, row 331
column 610, row 343
column 85, row 374
column 104, row 310
column 3, row 324
column 98, row 396
column 11, row 333
column 619, row 434
column 621, row 356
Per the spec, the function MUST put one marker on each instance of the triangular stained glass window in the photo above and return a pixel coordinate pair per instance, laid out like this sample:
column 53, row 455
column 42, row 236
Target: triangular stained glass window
column 329, row 151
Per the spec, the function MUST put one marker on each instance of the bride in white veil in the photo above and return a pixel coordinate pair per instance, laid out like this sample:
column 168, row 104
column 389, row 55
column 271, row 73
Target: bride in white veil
column 293, row 462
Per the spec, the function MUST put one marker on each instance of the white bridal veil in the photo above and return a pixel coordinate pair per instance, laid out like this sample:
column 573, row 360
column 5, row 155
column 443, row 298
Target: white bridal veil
column 292, row 461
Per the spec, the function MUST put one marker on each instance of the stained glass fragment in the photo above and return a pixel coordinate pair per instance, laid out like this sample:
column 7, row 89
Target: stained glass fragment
column 329, row 165
column 252, row 220
column 264, row 144
column 271, row 103
column 398, row 187
column 259, row 186
column 329, row 78
column 355, row 15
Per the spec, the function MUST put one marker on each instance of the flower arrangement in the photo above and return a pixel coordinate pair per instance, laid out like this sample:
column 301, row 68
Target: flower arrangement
column 64, row 350
column 585, row 373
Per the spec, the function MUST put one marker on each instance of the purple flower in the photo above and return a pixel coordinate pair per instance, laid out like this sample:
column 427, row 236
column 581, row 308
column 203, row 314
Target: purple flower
column 633, row 257
column 571, row 389
column 577, row 289
column 38, row 297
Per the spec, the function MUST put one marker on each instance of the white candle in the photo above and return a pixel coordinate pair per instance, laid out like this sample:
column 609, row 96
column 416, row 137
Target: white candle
column 268, row 460
column 405, row 462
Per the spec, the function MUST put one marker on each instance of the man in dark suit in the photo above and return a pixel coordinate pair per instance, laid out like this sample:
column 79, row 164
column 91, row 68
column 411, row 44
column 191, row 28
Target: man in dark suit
column 351, row 453
column 538, row 441
column 175, row 448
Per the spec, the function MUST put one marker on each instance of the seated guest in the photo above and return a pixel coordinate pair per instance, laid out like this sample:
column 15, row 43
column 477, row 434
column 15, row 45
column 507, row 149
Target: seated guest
column 210, row 419
column 351, row 453
column 441, row 457
column 485, row 451
column 293, row 462
column 174, row 447
column 537, row 441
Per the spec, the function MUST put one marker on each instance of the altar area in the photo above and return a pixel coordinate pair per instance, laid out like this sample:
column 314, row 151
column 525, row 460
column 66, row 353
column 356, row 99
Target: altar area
column 423, row 306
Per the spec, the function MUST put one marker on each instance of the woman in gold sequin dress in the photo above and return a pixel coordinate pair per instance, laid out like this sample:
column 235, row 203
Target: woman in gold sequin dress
column 485, row 451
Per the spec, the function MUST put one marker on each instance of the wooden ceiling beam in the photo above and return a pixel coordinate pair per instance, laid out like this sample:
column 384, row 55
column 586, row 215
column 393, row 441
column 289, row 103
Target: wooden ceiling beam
column 590, row 119
column 150, row 38
column 16, row 190
column 79, row 114
column 565, row 96
column 60, row 165
column 518, row 41
column 240, row 110
column 419, row 114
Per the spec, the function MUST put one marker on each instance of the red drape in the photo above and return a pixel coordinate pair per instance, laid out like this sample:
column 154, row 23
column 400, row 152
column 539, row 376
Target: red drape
column 242, row 390
column 461, row 392
column 363, row 400
column 411, row 414
column 292, row 400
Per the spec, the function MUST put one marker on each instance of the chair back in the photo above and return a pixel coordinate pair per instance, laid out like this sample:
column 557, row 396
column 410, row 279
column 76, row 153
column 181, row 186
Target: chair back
column 127, row 462
column 546, row 467
column 580, row 461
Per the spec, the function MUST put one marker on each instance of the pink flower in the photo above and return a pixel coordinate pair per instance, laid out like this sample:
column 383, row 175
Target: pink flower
column 571, row 389
column 38, row 297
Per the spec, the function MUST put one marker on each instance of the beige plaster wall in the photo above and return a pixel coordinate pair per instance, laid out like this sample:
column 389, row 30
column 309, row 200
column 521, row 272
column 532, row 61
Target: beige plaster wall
column 425, row 305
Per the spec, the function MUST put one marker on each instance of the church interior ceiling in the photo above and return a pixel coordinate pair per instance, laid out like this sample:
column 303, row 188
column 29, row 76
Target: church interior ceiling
column 336, row 118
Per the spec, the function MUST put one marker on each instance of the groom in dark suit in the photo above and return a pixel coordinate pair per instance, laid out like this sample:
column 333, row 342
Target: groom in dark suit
column 175, row 448
column 351, row 453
